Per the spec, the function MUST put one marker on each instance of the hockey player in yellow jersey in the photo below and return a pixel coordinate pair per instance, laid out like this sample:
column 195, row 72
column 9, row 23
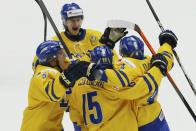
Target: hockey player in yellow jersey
column 93, row 109
column 52, row 78
column 89, row 107
column 147, row 110
column 77, row 39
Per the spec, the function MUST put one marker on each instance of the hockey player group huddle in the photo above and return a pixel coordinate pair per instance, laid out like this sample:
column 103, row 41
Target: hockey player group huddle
column 100, row 91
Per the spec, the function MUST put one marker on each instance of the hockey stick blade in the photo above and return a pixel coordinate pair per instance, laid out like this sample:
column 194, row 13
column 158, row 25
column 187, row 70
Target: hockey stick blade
column 120, row 24
column 135, row 27
column 123, row 24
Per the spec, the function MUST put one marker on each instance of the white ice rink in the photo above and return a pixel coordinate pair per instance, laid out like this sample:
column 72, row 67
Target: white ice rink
column 21, row 30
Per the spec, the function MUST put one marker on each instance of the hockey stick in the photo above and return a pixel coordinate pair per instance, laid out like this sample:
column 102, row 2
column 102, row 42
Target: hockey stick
column 45, row 26
column 47, row 14
column 135, row 27
column 175, row 53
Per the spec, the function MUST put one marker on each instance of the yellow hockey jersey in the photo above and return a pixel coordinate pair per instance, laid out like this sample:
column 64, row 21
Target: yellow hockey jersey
column 93, row 109
column 43, row 112
column 94, row 104
column 145, row 112
column 147, row 109
column 105, row 106
column 144, row 103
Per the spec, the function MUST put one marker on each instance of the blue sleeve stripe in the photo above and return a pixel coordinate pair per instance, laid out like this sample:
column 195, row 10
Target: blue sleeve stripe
column 151, row 98
column 154, row 81
column 168, row 54
column 46, row 90
column 53, row 94
column 148, row 83
column 120, row 78
column 101, row 75
column 126, row 77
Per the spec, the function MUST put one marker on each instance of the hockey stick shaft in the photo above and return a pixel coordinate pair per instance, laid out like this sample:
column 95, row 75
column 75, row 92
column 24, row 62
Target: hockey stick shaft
column 45, row 24
column 45, row 27
column 45, row 11
column 168, row 75
column 174, row 52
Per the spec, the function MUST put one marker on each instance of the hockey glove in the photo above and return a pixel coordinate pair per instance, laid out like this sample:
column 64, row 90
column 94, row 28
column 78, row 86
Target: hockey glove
column 169, row 37
column 159, row 61
column 76, row 71
column 87, row 69
column 71, row 75
column 112, row 35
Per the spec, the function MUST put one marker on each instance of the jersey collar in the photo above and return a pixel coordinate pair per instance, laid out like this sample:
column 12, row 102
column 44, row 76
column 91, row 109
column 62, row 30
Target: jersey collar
column 78, row 37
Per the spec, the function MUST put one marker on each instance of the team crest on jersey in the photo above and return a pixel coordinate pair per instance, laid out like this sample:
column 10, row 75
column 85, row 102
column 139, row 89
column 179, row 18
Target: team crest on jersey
column 93, row 40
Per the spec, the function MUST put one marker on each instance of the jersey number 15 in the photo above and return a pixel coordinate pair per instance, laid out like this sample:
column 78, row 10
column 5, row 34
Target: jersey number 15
column 88, row 98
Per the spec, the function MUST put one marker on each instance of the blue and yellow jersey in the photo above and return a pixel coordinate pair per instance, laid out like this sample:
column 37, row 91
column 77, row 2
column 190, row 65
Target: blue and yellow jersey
column 145, row 111
column 104, row 104
column 46, row 95
column 95, row 110
column 148, row 109
column 144, row 89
